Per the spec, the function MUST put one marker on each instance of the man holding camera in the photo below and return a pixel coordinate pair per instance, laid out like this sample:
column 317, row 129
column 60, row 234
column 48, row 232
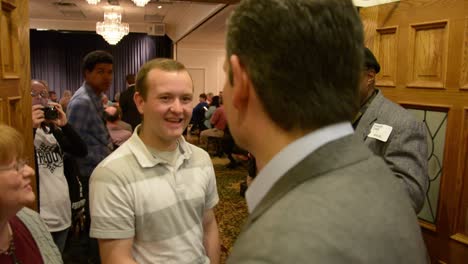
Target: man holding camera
column 52, row 137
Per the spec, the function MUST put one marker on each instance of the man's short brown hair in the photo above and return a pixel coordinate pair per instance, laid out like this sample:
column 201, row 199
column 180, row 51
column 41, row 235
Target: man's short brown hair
column 163, row 64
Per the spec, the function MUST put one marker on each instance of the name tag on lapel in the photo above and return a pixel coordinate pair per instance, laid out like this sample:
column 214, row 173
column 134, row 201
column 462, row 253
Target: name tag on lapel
column 380, row 132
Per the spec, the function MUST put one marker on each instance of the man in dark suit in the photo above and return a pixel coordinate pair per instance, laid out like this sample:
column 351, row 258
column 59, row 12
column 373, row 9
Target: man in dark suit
column 293, row 69
column 130, row 113
column 392, row 133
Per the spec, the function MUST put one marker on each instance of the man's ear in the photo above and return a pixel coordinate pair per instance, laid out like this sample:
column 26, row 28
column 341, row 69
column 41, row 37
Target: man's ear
column 241, row 83
column 139, row 102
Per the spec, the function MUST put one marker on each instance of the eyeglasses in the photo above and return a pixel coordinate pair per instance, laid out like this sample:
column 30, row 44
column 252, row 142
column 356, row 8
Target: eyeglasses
column 43, row 94
column 18, row 166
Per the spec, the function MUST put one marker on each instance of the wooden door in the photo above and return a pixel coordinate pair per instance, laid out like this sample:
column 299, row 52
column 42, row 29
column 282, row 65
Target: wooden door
column 422, row 46
column 15, row 88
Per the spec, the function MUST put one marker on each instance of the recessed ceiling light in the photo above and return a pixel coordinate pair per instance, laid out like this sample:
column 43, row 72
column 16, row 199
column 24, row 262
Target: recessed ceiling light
column 160, row 6
column 367, row 3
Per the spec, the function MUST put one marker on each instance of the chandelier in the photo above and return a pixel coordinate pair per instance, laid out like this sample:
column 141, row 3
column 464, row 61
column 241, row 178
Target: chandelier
column 140, row 3
column 112, row 29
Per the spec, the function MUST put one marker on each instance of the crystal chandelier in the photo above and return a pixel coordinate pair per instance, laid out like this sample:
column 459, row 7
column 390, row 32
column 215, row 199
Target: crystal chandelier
column 93, row 2
column 112, row 29
column 140, row 3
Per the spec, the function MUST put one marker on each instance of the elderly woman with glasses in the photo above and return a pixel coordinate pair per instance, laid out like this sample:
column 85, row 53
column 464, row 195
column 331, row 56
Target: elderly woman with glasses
column 23, row 235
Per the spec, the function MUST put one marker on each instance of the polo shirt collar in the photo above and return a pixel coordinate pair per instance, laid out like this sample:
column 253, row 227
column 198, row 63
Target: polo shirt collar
column 144, row 156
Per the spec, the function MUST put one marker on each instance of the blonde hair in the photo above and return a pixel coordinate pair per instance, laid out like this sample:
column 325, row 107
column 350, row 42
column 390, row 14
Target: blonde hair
column 11, row 144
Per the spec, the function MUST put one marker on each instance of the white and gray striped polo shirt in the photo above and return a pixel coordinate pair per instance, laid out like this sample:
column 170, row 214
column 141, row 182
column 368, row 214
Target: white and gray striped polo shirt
column 133, row 194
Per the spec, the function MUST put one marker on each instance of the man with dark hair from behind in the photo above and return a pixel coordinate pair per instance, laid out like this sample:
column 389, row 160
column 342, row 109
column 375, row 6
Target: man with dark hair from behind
column 118, row 133
column 85, row 114
column 404, row 147
column 130, row 112
column 293, row 69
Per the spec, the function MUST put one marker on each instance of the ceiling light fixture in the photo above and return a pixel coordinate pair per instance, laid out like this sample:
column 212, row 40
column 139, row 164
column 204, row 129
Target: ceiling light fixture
column 93, row 2
column 112, row 29
column 367, row 3
column 140, row 3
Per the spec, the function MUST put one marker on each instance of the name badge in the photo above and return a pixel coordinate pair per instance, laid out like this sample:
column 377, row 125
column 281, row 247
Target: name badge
column 380, row 132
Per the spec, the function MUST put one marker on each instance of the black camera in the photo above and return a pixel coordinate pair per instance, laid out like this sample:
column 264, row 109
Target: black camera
column 50, row 112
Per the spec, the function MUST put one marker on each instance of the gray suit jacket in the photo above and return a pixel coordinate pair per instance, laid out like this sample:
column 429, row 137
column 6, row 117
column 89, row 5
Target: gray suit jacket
column 405, row 151
column 341, row 204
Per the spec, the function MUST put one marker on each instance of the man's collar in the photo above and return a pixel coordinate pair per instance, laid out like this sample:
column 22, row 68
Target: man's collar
column 289, row 157
column 91, row 91
column 370, row 98
column 144, row 156
column 93, row 96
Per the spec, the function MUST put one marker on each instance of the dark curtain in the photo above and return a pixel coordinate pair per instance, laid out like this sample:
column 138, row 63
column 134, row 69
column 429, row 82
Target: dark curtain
column 56, row 57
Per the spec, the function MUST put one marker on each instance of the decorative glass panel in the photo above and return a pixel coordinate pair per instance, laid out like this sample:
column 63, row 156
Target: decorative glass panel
column 436, row 124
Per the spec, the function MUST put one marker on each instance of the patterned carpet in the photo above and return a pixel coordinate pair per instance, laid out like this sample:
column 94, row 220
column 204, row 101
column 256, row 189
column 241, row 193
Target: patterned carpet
column 231, row 210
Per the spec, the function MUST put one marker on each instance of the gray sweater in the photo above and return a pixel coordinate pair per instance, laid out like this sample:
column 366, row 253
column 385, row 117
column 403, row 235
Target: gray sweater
column 45, row 243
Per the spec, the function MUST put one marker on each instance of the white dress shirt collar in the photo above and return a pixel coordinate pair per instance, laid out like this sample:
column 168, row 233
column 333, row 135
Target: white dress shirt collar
column 289, row 157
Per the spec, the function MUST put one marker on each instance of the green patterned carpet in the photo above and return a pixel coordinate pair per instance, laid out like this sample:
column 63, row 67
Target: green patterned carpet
column 231, row 210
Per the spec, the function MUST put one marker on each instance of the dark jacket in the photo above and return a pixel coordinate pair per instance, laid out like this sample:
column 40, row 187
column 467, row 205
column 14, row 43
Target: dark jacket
column 130, row 112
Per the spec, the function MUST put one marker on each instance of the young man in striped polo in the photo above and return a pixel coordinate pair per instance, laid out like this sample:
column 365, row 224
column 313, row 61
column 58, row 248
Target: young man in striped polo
column 152, row 199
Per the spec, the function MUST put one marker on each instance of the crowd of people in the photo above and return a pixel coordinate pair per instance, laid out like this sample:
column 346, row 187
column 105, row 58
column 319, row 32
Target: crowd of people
column 337, row 171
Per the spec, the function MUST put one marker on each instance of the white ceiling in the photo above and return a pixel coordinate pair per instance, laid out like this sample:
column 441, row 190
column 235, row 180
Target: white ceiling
column 180, row 17
column 211, row 33
column 189, row 23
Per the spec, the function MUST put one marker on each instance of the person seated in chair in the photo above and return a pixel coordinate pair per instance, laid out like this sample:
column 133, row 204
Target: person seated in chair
column 218, row 122
column 215, row 103
column 230, row 148
column 198, row 114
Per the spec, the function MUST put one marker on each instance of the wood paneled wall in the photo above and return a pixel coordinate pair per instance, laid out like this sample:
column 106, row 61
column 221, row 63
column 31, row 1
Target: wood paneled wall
column 15, row 87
